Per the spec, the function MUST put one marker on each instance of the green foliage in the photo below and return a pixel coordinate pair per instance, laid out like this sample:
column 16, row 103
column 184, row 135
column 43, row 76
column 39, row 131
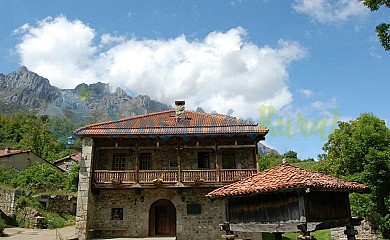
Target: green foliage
column 31, row 132
column 269, row 160
column 290, row 154
column 306, row 164
column 359, row 150
column 40, row 177
column 291, row 157
column 2, row 226
column 383, row 29
column 52, row 220
column 30, row 202
column 7, row 176
column 55, row 220
column 61, row 129
column 72, row 180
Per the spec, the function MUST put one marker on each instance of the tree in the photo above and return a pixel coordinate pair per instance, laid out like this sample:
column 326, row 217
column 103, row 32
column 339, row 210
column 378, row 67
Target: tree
column 40, row 177
column 383, row 29
column 269, row 160
column 359, row 150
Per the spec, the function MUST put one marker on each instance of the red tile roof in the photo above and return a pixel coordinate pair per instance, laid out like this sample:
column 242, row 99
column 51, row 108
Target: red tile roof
column 75, row 156
column 4, row 153
column 165, row 123
column 283, row 178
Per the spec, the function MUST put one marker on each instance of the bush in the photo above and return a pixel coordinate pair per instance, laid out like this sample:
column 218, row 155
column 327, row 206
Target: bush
column 55, row 220
column 2, row 226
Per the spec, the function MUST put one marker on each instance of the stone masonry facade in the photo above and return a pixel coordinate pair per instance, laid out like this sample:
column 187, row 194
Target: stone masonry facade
column 8, row 199
column 136, row 210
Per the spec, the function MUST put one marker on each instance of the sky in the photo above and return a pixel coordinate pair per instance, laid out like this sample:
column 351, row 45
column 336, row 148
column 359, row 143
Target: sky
column 297, row 67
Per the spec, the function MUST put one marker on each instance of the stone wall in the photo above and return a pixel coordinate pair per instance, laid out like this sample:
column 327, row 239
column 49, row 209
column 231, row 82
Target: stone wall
column 136, row 205
column 365, row 231
column 8, row 201
column 59, row 203
column 84, row 201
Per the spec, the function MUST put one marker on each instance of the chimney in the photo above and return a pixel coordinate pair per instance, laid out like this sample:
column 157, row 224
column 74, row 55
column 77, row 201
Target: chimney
column 7, row 149
column 180, row 107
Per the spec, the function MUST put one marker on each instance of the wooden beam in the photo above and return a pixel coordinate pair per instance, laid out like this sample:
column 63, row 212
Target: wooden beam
column 265, row 227
column 301, row 206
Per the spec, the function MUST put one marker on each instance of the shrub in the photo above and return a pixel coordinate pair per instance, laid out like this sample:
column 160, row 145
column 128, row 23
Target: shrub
column 55, row 220
column 2, row 226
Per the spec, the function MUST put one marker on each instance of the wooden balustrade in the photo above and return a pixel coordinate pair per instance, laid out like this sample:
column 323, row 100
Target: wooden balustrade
column 232, row 175
column 107, row 176
column 168, row 176
column 171, row 176
column 194, row 175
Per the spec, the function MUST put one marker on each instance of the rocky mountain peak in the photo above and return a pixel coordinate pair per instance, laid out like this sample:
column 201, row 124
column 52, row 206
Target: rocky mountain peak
column 27, row 89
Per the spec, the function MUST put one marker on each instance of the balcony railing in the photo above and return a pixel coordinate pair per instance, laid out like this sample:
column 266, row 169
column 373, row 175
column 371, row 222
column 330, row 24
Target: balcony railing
column 172, row 176
column 168, row 176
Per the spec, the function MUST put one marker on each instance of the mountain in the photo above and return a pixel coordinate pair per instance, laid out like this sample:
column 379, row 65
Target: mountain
column 264, row 150
column 27, row 92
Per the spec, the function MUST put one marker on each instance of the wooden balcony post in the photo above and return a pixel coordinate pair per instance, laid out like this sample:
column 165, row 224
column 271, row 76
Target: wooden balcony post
column 256, row 158
column 178, row 169
column 179, row 150
column 217, row 173
column 137, row 163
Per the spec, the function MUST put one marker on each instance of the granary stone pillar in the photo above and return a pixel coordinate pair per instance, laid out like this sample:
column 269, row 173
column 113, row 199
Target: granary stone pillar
column 305, row 235
column 350, row 232
column 84, row 194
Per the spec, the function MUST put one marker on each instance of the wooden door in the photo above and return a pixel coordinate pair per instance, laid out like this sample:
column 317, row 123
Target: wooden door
column 162, row 218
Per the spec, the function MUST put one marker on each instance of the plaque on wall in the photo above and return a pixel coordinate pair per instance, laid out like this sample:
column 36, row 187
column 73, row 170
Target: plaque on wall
column 194, row 208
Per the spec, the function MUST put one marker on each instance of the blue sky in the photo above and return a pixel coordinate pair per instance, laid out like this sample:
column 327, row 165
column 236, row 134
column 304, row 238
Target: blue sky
column 311, row 62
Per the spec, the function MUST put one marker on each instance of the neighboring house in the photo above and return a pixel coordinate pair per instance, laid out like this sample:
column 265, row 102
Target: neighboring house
column 67, row 162
column 148, row 175
column 19, row 159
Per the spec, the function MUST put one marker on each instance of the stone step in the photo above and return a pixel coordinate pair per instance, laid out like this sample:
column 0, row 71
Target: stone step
column 147, row 238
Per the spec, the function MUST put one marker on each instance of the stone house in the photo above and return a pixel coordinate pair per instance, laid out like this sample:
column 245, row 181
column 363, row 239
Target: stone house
column 148, row 175
column 20, row 159
column 67, row 162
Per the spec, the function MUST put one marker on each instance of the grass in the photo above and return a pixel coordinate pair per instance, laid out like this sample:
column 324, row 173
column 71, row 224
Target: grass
column 308, row 165
column 55, row 220
column 319, row 235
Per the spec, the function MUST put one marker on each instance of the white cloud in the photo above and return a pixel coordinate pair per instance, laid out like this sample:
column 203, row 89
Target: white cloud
column 306, row 92
column 330, row 11
column 220, row 72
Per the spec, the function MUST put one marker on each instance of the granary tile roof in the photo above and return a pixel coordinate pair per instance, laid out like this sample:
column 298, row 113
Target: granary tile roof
column 4, row 153
column 165, row 123
column 284, row 178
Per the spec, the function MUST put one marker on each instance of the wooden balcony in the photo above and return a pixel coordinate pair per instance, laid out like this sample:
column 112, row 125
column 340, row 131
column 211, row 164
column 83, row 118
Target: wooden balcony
column 106, row 178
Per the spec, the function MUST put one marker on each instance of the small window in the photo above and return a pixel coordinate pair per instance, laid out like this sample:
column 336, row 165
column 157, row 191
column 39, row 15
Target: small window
column 119, row 163
column 228, row 160
column 146, row 161
column 203, row 160
column 117, row 214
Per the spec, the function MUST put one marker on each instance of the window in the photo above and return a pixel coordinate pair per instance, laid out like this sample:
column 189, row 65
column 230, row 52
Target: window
column 119, row 163
column 203, row 160
column 228, row 160
column 116, row 213
column 146, row 161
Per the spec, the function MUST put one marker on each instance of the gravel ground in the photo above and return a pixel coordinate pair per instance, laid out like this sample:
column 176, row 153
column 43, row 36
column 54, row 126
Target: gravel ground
column 15, row 233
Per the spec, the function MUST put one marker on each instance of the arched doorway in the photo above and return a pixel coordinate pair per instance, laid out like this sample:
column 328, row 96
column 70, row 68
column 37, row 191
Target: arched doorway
column 162, row 218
